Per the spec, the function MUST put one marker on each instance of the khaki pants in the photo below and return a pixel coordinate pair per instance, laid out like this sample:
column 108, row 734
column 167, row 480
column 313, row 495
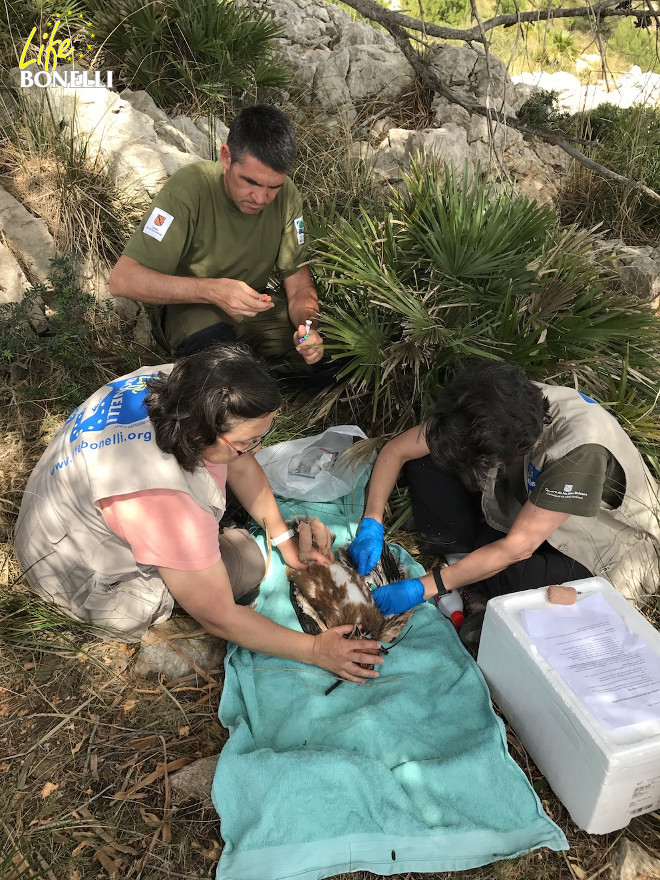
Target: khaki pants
column 129, row 607
column 269, row 334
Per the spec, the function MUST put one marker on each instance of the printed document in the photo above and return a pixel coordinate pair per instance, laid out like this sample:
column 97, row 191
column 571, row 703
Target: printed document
column 610, row 669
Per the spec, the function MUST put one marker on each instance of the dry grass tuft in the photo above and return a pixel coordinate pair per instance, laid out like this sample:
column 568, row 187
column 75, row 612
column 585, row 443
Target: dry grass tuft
column 330, row 176
column 411, row 110
column 53, row 170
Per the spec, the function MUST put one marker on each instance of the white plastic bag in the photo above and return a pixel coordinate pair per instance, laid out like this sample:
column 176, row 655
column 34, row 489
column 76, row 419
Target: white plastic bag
column 310, row 468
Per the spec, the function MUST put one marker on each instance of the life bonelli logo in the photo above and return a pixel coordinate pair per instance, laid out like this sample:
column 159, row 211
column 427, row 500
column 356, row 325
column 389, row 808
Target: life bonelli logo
column 66, row 37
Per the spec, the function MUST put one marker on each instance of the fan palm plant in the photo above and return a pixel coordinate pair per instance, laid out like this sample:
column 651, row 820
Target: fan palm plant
column 183, row 54
column 451, row 269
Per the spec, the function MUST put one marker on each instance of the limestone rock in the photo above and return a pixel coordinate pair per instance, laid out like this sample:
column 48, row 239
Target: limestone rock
column 490, row 83
column 532, row 178
column 195, row 780
column 170, row 133
column 93, row 276
column 13, row 282
column 550, row 155
column 446, row 144
column 138, row 159
column 305, row 24
column 638, row 268
column 142, row 334
column 361, row 33
column 113, row 127
column 377, row 71
column 173, row 649
column 332, row 96
column 193, row 135
column 393, row 154
column 631, row 862
column 624, row 90
column 454, row 65
column 588, row 63
column 214, row 131
column 29, row 237
column 359, row 151
column 446, row 112
column 144, row 103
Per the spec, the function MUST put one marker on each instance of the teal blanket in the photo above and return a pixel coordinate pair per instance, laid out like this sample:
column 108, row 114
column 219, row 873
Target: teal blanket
column 410, row 773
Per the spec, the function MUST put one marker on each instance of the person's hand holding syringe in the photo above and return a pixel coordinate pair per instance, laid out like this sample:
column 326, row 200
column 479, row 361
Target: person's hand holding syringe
column 308, row 342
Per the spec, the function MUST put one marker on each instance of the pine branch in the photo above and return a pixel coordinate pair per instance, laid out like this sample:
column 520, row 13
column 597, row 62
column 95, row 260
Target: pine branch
column 394, row 24
column 607, row 8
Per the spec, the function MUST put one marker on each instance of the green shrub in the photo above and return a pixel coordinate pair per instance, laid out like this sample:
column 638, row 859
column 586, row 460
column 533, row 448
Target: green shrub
column 637, row 45
column 509, row 7
column 557, row 48
column 449, row 270
column 62, row 353
column 629, row 143
column 451, row 12
column 332, row 179
column 189, row 53
column 540, row 110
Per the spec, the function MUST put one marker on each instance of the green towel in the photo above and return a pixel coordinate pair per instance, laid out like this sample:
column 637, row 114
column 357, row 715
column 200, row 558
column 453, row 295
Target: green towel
column 410, row 773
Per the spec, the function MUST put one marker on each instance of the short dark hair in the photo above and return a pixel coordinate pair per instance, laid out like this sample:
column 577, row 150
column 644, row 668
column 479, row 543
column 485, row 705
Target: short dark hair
column 266, row 134
column 489, row 415
column 204, row 396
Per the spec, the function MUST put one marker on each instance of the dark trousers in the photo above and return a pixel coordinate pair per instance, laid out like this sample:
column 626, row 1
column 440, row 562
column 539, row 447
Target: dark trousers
column 185, row 330
column 449, row 519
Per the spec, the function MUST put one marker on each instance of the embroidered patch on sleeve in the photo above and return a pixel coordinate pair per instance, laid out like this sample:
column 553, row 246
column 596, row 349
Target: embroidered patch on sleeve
column 300, row 229
column 158, row 223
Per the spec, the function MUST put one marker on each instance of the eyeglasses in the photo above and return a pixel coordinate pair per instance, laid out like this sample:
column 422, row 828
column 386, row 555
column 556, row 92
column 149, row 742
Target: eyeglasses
column 250, row 448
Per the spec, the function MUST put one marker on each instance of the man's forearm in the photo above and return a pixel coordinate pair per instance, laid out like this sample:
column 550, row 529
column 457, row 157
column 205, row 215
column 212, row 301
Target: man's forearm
column 303, row 301
column 303, row 307
column 132, row 280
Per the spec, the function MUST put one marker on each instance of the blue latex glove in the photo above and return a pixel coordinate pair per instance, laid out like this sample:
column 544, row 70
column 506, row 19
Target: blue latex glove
column 399, row 596
column 367, row 545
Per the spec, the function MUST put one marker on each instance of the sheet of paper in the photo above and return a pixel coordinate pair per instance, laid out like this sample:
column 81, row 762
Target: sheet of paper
column 610, row 669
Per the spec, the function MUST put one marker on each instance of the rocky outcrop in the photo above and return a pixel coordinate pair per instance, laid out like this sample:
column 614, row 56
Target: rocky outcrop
column 13, row 282
column 637, row 267
column 28, row 236
column 177, row 648
column 340, row 67
column 345, row 73
column 140, row 144
column 195, row 780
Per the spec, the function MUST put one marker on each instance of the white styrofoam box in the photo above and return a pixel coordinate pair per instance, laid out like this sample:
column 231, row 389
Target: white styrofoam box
column 603, row 777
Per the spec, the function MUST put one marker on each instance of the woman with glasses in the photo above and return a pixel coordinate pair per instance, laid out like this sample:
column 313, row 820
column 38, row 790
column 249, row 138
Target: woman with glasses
column 120, row 516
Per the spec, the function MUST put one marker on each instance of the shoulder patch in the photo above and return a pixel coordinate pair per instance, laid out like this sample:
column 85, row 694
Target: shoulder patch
column 300, row 229
column 158, row 223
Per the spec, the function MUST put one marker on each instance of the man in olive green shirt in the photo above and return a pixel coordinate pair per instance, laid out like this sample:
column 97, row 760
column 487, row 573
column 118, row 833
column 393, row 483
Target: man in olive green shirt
column 211, row 239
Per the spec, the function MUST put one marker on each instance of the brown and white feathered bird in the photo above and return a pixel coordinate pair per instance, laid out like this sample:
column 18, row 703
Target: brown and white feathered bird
column 324, row 596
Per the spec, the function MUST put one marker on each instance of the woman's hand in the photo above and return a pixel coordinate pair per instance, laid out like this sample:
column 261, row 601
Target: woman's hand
column 314, row 544
column 290, row 552
column 399, row 596
column 347, row 658
column 367, row 546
